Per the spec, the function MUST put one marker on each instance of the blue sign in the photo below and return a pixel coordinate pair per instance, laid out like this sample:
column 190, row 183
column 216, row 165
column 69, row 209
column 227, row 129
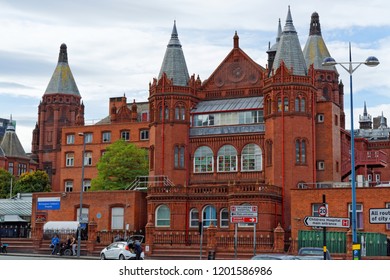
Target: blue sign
column 48, row 203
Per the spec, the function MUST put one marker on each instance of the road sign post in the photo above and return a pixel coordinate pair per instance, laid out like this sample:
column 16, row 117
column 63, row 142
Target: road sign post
column 243, row 214
column 337, row 222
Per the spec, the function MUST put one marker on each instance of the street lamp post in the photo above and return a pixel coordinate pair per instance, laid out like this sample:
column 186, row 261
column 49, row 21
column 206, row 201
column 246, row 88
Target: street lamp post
column 81, row 197
column 371, row 61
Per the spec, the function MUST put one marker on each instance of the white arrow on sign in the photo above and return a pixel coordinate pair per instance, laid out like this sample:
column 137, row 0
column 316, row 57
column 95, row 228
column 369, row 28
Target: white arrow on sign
column 312, row 221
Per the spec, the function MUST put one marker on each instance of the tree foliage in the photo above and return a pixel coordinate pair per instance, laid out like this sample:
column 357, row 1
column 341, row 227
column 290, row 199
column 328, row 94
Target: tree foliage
column 35, row 181
column 5, row 183
column 119, row 166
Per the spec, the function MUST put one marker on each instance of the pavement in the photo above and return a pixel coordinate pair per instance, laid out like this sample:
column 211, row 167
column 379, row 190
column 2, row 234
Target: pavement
column 51, row 256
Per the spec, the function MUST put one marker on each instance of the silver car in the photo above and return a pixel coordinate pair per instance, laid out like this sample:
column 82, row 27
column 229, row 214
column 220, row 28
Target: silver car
column 119, row 250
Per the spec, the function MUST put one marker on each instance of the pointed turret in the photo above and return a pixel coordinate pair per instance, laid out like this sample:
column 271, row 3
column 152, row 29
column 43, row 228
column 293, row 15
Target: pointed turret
column 62, row 80
column 272, row 50
column 315, row 49
column 174, row 64
column 10, row 144
column 289, row 49
column 365, row 121
column 383, row 123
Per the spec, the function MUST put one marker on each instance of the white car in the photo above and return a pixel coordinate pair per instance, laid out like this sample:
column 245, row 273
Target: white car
column 119, row 250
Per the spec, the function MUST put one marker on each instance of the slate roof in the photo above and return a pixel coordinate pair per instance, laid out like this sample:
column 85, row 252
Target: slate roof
column 10, row 144
column 234, row 104
column 62, row 80
column 19, row 207
column 315, row 50
column 174, row 64
column 289, row 49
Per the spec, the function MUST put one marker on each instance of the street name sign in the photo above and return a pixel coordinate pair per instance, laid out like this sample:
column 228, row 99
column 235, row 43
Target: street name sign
column 243, row 214
column 312, row 221
column 379, row 215
column 48, row 203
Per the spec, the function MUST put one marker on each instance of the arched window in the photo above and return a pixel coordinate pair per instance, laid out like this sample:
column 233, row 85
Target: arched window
column 297, row 104
column 166, row 113
column 224, row 218
column 163, row 216
column 227, row 159
column 303, row 104
column 194, row 217
column 300, row 151
column 251, row 158
column 269, row 106
column 279, row 104
column 179, row 156
column 180, row 113
column 209, row 215
column 285, row 102
column 203, row 160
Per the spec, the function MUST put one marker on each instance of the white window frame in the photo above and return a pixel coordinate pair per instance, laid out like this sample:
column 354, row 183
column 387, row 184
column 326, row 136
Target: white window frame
column 125, row 135
column 106, row 136
column 88, row 137
column 320, row 118
column 69, row 159
column 70, row 139
column 227, row 159
column 163, row 219
column 224, row 218
column 209, row 215
column 320, row 165
column 359, row 215
column 117, row 218
column 144, row 134
column 194, row 217
column 88, row 158
column 86, row 185
column 251, row 158
column 68, row 186
column 203, row 160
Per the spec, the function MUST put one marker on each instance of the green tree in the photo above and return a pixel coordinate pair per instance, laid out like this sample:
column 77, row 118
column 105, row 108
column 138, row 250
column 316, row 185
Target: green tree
column 35, row 181
column 119, row 166
column 5, row 183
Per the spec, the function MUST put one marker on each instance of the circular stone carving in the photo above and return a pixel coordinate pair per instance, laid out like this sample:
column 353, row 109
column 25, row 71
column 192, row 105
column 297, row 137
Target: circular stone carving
column 236, row 72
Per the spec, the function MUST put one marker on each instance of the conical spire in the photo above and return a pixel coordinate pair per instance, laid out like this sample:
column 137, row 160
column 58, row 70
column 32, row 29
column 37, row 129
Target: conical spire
column 383, row 122
column 289, row 49
column 10, row 143
column 365, row 109
column 279, row 34
column 174, row 64
column 315, row 50
column 62, row 80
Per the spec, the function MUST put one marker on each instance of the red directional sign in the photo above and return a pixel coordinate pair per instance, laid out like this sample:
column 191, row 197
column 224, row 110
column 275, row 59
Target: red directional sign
column 244, row 219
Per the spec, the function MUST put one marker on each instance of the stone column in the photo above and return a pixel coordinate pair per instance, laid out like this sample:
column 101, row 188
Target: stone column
column 92, row 227
column 37, row 235
column 278, row 239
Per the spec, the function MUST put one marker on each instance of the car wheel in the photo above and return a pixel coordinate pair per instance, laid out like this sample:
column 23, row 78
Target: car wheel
column 102, row 257
column 121, row 257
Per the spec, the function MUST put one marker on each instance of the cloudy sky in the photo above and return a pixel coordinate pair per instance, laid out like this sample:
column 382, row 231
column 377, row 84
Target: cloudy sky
column 116, row 47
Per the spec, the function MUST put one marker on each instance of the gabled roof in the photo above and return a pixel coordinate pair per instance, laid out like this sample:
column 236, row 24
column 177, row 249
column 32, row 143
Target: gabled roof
column 62, row 80
column 289, row 49
column 174, row 64
column 237, row 70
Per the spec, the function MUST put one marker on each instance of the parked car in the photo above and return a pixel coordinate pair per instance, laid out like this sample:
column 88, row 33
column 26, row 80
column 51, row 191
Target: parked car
column 313, row 253
column 119, row 250
column 274, row 257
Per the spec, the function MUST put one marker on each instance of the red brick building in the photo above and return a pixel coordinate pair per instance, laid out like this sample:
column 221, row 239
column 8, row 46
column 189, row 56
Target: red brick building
column 264, row 136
